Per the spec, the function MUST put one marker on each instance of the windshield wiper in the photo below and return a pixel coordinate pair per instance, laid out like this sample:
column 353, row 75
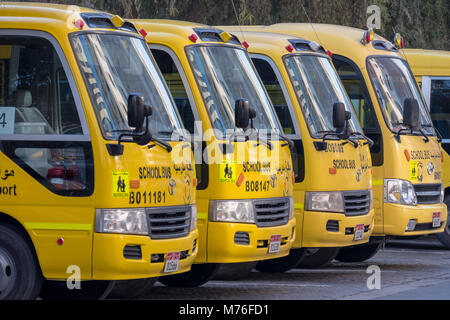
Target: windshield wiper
column 328, row 134
column 181, row 136
column 438, row 134
column 368, row 140
column 411, row 131
column 268, row 144
column 289, row 142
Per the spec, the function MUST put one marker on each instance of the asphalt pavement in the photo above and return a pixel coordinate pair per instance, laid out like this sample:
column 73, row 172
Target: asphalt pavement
column 405, row 269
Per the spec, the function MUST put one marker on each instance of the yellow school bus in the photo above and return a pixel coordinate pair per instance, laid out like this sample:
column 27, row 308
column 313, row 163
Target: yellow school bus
column 332, row 191
column 431, row 69
column 90, row 188
column 244, row 168
column 406, row 157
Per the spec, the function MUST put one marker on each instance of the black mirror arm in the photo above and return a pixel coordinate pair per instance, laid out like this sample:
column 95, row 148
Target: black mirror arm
column 426, row 139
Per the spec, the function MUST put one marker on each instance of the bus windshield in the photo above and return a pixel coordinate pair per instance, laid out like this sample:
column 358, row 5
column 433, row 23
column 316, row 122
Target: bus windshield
column 318, row 88
column 115, row 66
column 225, row 74
column 393, row 84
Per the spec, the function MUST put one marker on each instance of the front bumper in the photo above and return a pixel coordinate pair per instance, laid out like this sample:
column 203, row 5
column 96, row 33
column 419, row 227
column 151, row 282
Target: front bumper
column 396, row 218
column 222, row 246
column 109, row 262
column 316, row 235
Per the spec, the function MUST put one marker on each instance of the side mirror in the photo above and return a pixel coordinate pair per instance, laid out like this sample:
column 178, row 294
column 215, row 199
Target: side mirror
column 242, row 113
column 137, row 111
column 411, row 113
column 339, row 116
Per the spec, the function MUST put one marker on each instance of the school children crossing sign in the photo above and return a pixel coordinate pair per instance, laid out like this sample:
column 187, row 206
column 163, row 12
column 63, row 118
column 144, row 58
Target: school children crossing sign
column 120, row 184
column 227, row 172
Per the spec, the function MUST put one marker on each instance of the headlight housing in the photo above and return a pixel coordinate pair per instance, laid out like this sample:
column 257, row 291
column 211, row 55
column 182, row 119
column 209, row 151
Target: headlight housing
column 371, row 199
column 193, row 217
column 124, row 221
column 291, row 208
column 324, row 201
column 232, row 211
column 400, row 192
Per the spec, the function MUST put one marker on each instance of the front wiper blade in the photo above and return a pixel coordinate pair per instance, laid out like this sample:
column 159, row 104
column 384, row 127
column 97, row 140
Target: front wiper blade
column 247, row 137
column 161, row 143
column 368, row 140
column 328, row 134
column 289, row 142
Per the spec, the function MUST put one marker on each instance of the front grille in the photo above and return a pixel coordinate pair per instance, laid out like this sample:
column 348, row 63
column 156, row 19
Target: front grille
column 428, row 193
column 132, row 252
column 241, row 238
column 356, row 203
column 169, row 222
column 272, row 212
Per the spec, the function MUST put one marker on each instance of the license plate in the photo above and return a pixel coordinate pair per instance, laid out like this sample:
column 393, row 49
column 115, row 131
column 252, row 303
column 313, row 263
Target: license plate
column 275, row 244
column 359, row 232
column 172, row 262
column 436, row 219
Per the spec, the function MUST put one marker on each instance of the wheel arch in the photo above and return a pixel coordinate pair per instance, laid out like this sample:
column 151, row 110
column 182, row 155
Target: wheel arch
column 7, row 220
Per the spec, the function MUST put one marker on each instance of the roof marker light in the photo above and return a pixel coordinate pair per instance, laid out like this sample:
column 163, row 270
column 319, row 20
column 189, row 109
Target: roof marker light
column 193, row 37
column 143, row 33
column 117, row 21
column 245, row 44
column 314, row 46
column 79, row 24
column 398, row 41
column 329, row 53
column 225, row 36
column 289, row 48
column 368, row 36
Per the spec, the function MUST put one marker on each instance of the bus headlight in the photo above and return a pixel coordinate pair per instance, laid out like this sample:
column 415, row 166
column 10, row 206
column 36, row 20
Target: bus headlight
column 193, row 217
column 371, row 199
column 324, row 201
column 400, row 192
column 291, row 208
column 123, row 221
column 232, row 211
column 442, row 192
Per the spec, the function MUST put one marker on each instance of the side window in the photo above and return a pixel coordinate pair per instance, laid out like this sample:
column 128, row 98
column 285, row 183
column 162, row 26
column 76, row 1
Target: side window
column 36, row 101
column 35, row 96
column 273, row 87
column 439, row 103
column 176, row 87
column 355, row 91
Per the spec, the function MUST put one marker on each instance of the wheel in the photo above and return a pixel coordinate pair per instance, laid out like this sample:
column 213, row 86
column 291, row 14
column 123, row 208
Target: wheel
column 234, row 271
column 199, row 275
column 20, row 273
column 358, row 253
column 444, row 237
column 319, row 257
column 281, row 264
column 90, row 290
column 131, row 289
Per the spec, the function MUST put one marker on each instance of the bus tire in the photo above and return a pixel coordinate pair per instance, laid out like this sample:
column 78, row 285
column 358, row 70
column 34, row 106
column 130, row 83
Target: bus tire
column 131, row 289
column 358, row 253
column 281, row 264
column 197, row 276
column 89, row 290
column 20, row 273
column 444, row 237
column 234, row 271
column 317, row 258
